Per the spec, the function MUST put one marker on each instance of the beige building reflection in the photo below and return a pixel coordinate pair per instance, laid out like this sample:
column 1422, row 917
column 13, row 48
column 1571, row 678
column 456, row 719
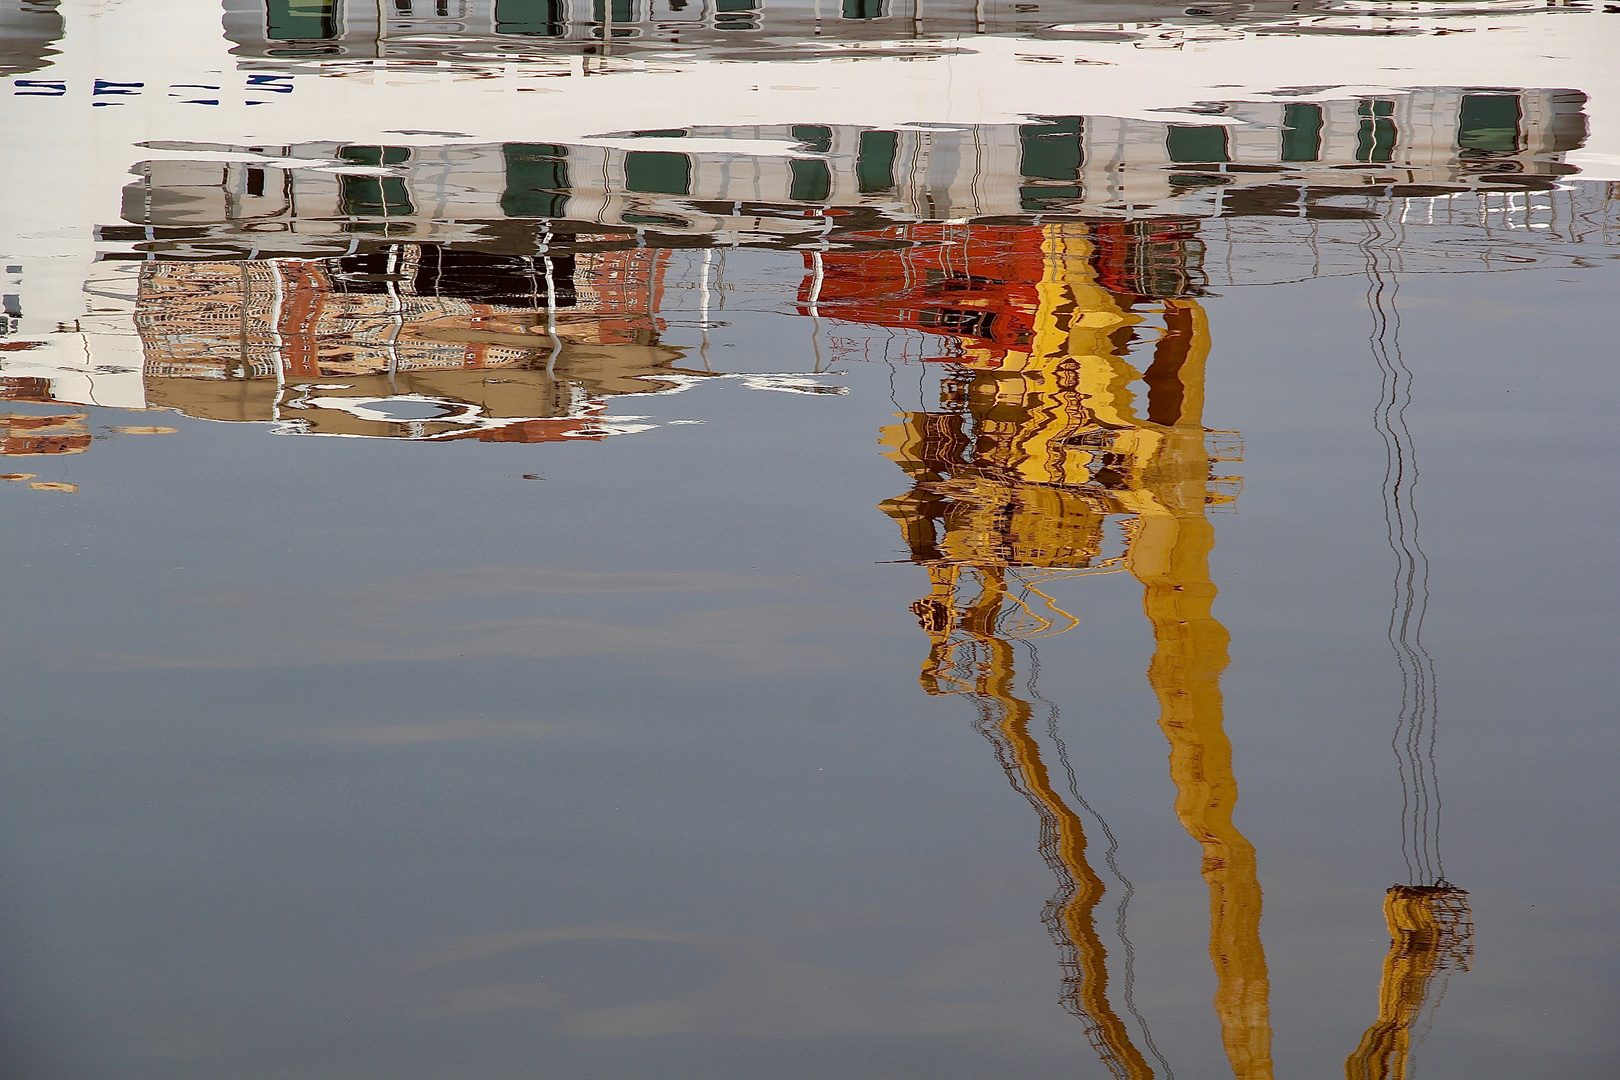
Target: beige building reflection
column 1276, row 158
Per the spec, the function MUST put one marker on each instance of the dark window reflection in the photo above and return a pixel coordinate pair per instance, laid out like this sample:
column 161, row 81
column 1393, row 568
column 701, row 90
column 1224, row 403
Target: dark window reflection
column 812, row 181
column 1050, row 157
column 1302, row 133
column 1204, row 144
column 1489, row 123
column 874, row 161
column 1375, row 139
column 536, row 180
column 302, row 20
column 1051, row 150
column 736, row 15
column 654, row 173
column 375, row 196
column 536, row 18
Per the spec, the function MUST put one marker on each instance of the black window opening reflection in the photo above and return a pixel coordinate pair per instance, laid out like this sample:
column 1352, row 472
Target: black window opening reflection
column 1051, row 154
column 812, row 180
column 619, row 11
column 301, row 20
column 1376, row 134
column 512, row 281
column 817, row 138
column 864, row 9
column 1302, row 132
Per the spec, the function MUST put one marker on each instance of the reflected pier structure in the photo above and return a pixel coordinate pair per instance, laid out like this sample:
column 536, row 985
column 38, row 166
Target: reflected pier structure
column 1038, row 443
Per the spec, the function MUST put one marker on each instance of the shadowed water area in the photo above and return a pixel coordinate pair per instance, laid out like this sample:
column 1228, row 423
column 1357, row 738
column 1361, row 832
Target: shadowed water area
column 863, row 538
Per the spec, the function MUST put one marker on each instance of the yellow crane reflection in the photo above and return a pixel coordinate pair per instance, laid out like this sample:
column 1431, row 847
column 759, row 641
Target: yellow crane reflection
column 1039, row 440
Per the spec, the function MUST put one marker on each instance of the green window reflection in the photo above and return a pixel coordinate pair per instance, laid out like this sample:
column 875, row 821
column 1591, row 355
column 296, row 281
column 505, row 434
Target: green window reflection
column 652, row 172
column 812, row 180
column 736, row 14
column 817, row 139
column 1375, row 139
column 624, row 11
column 1196, row 145
column 864, row 9
column 1051, row 150
column 874, row 161
column 1302, row 133
column 534, row 18
column 302, row 20
column 1489, row 123
column 1050, row 156
column 375, row 196
column 536, row 180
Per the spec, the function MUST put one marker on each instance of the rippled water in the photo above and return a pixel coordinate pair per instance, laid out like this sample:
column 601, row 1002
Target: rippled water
column 715, row 538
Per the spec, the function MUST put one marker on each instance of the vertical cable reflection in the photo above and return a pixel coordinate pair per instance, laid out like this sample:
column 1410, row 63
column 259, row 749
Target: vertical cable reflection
column 1429, row 920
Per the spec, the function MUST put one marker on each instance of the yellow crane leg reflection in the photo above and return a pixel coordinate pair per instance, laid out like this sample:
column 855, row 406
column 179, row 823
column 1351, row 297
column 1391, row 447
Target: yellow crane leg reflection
column 1171, row 538
column 1170, row 557
column 1430, row 931
column 1004, row 720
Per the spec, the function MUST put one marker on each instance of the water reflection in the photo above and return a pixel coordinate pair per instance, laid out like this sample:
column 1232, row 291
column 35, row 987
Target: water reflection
column 528, row 280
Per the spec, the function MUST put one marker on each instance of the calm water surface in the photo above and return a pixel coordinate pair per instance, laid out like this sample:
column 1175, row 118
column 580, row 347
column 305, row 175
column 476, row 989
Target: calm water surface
column 709, row 538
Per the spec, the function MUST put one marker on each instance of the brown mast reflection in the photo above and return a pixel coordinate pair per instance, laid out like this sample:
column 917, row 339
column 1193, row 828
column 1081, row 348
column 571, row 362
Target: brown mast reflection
column 1039, row 441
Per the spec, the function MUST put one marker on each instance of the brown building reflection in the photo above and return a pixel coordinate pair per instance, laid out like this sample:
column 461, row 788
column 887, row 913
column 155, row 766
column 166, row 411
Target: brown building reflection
column 407, row 341
column 24, row 435
column 29, row 436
